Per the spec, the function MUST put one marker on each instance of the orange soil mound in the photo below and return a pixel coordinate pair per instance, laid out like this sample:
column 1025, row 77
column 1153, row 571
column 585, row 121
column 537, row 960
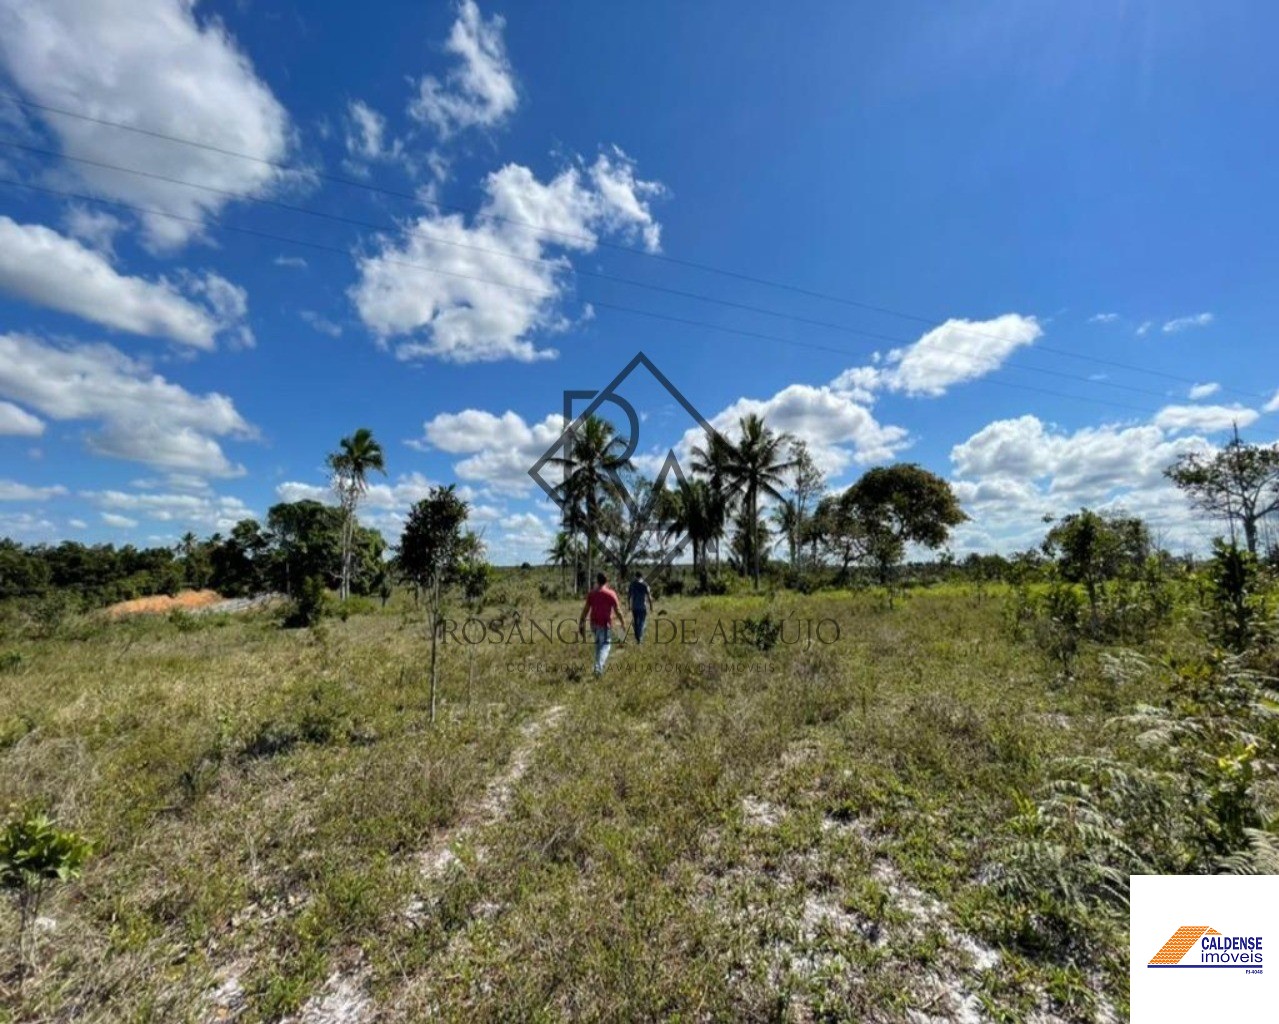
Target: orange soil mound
column 163, row 603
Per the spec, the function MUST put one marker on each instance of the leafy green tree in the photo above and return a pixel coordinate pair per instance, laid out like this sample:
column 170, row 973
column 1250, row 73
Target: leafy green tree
column 240, row 564
column 899, row 505
column 1237, row 599
column 356, row 457
column 431, row 553
column 196, row 555
column 23, row 572
column 839, row 532
column 308, row 542
column 1091, row 548
column 310, row 605
column 1240, row 484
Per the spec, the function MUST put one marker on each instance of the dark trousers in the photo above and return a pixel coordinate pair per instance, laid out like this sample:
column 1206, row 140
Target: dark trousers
column 639, row 616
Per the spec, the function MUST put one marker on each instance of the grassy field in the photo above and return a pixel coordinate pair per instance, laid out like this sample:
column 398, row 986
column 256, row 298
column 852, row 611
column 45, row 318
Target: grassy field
column 710, row 832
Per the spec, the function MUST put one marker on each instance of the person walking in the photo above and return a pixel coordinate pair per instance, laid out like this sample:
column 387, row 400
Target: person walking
column 641, row 599
column 602, row 605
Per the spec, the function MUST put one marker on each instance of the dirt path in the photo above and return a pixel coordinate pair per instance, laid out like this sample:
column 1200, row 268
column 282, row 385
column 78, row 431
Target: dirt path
column 344, row 998
column 491, row 806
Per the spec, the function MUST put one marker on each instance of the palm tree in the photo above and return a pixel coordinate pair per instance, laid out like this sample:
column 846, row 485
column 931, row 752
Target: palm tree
column 591, row 464
column 350, row 465
column 694, row 510
column 713, row 463
column 787, row 518
column 563, row 552
column 757, row 464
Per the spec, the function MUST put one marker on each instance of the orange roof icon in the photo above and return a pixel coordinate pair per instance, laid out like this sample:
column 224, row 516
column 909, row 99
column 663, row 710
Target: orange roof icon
column 1182, row 940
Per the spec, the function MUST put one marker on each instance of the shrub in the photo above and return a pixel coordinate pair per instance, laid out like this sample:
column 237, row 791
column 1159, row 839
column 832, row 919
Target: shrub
column 311, row 604
column 184, row 621
column 49, row 613
column 1233, row 595
column 1183, row 789
column 1059, row 625
column 34, row 856
column 763, row 632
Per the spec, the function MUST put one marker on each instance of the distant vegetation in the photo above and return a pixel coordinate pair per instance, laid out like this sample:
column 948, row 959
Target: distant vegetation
column 756, row 510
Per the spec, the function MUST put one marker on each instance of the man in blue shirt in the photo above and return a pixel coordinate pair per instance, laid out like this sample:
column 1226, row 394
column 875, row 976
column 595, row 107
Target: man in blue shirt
column 641, row 599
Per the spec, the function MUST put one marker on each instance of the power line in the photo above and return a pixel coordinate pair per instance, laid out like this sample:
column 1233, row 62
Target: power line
column 384, row 226
column 775, row 339
column 613, row 307
column 619, row 246
column 552, row 264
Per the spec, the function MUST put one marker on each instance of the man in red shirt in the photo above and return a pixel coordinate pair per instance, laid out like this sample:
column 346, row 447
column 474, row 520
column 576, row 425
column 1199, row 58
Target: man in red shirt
column 602, row 604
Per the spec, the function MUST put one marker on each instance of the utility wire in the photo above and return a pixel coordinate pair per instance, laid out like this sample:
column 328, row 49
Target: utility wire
column 619, row 246
column 774, row 339
column 554, row 265
column 391, row 225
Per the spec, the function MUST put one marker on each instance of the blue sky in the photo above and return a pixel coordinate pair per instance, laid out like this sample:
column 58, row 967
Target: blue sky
column 1064, row 214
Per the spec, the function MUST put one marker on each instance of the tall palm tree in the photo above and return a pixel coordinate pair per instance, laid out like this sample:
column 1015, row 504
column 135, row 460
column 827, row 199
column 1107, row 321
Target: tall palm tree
column 590, row 466
column 356, row 457
column 757, row 465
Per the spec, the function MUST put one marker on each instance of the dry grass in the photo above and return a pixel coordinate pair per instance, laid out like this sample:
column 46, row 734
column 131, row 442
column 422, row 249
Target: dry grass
column 711, row 832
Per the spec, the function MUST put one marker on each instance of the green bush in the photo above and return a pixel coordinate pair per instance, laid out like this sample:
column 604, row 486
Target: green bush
column 1234, row 595
column 762, row 632
column 311, row 604
column 34, row 856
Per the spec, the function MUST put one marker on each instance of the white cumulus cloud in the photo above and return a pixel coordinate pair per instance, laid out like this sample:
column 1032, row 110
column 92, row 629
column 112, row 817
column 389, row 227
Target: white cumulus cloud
column 141, row 416
column 149, row 64
column 477, row 292
column 1012, row 472
column 187, row 511
column 479, row 92
column 1203, row 391
column 366, row 140
column 839, row 431
column 952, row 353
column 41, row 266
column 499, row 450
column 96, row 228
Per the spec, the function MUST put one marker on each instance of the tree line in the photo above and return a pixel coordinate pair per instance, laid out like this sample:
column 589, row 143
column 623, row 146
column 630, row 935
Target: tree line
column 300, row 540
column 750, row 505
column 742, row 499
